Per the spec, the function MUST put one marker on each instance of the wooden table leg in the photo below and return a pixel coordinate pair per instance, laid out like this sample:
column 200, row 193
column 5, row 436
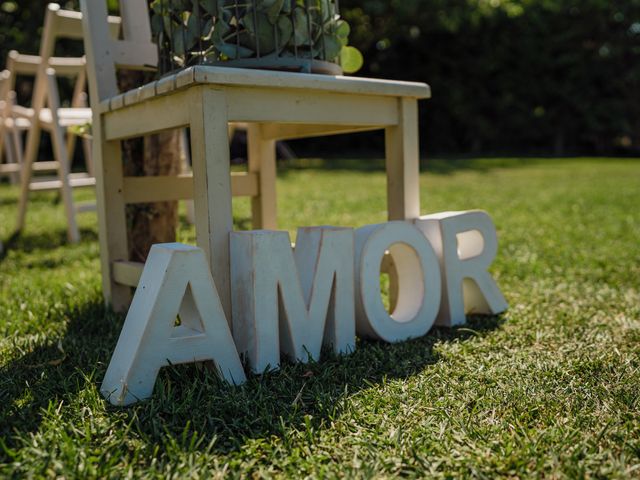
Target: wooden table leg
column 212, row 184
column 262, row 160
column 403, row 177
column 403, row 163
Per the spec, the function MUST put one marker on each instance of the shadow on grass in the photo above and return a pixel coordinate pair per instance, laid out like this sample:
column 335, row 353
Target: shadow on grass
column 43, row 240
column 54, row 371
column 190, row 399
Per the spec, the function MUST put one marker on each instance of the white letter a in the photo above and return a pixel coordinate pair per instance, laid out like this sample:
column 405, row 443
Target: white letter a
column 176, row 284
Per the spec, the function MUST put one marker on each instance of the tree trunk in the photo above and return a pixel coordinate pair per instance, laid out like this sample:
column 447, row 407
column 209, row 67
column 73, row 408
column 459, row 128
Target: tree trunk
column 158, row 154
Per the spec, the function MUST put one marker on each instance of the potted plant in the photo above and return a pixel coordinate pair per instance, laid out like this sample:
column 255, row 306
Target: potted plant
column 296, row 35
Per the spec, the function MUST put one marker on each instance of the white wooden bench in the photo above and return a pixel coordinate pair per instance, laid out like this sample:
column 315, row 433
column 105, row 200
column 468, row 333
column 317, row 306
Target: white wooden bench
column 276, row 105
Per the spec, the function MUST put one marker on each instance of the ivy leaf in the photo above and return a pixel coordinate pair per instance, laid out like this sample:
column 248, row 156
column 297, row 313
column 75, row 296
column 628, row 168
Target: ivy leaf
column 157, row 24
column 179, row 6
column 220, row 30
column 332, row 47
column 178, row 41
column 263, row 5
column 235, row 52
column 211, row 7
column 160, row 6
column 342, row 28
column 193, row 31
column 274, row 11
column 261, row 31
column 351, row 59
column 325, row 10
column 285, row 31
column 301, row 33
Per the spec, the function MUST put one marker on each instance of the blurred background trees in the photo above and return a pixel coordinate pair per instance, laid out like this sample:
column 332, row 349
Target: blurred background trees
column 508, row 76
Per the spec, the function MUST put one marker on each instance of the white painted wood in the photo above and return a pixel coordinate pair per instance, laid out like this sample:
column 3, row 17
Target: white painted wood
column 419, row 282
column 62, row 155
column 47, row 185
column 59, row 24
column 309, row 82
column 262, row 163
column 300, row 106
column 209, row 99
column 284, row 131
column 292, row 82
column 292, row 302
column 466, row 244
column 38, row 100
column 403, row 163
column 293, row 106
column 10, row 141
column 170, row 188
column 127, row 273
column 21, row 64
column 148, row 117
column 175, row 282
column 212, row 184
column 134, row 51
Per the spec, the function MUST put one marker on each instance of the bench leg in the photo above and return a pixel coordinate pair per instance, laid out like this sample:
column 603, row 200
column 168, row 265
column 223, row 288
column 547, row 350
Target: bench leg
column 403, row 164
column 212, row 185
column 403, row 182
column 262, row 160
column 112, row 217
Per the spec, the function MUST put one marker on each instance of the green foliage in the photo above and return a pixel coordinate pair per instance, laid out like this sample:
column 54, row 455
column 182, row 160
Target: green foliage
column 548, row 390
column 511, row 75
column 527, row 76
column 208, row 31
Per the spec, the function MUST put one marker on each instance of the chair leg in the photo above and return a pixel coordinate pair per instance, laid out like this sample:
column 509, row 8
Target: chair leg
column 8, row 146
column 262, row 160
column 17, row 145
column 61, row 154
column 26, row 172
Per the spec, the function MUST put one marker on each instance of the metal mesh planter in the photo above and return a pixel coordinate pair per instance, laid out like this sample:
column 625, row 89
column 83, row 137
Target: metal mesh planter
column 296, row 35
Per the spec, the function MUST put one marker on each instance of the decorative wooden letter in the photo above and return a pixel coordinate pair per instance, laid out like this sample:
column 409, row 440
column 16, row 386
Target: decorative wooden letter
column 418, row 276
column 291, row 303
column 175, row 317
column 466, row 244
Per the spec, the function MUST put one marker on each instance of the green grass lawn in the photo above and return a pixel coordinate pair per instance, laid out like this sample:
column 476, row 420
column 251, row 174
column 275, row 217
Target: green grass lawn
column 550, row 388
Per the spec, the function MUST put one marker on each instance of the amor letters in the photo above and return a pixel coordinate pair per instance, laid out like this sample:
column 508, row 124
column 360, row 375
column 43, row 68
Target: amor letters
column 292, row 301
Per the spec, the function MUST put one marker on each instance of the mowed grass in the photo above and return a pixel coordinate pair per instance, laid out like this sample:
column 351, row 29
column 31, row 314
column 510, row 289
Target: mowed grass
column 551, row 388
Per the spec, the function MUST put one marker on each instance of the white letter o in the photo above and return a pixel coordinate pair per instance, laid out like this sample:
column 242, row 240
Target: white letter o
column 418, row 277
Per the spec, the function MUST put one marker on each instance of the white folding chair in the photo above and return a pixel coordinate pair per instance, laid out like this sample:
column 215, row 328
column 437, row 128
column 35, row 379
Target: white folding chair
column 47, row 114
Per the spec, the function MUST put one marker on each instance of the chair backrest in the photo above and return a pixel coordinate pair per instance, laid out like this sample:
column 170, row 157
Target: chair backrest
column 59, row 24
column 134, row 51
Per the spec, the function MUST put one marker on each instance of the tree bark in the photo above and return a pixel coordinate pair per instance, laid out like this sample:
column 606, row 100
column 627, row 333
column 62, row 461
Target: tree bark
column 154, row 155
